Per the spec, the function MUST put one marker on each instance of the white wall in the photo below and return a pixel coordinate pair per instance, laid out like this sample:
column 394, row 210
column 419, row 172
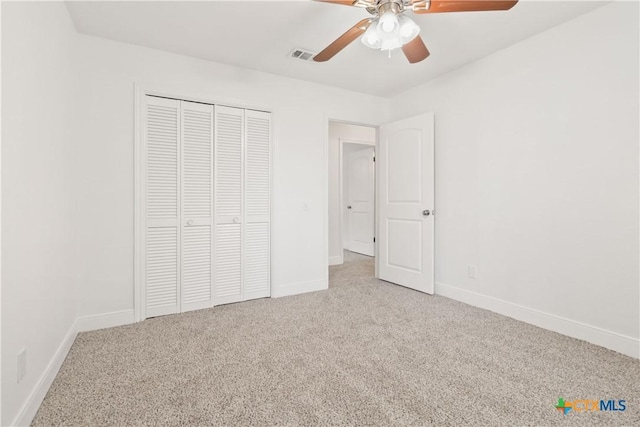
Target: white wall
column 537, row 177
column 38, row 192
column 106, row 165
column 343, row 131
column 67, row 166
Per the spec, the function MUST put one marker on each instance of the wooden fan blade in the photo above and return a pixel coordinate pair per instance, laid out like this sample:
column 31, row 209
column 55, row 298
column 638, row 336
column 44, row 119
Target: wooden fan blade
column 343, row 41
column 356, row 3
column 439, row 6
column 415, row 50
column 343, row 2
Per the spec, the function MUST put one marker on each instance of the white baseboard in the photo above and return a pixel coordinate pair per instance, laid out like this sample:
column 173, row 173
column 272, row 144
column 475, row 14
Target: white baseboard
column 336, row 260
column 81, row 324
column 593, row 334
column 299, row 288
column 30, row 407
column 106, row 320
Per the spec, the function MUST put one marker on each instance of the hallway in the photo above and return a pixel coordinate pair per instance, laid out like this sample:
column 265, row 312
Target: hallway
column 357, row 269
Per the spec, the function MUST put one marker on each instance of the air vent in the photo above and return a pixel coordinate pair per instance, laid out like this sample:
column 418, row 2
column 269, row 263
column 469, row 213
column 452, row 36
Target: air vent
column 301, row 54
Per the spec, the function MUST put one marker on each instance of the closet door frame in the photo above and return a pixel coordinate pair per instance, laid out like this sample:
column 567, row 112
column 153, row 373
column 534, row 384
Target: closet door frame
column 140, row 92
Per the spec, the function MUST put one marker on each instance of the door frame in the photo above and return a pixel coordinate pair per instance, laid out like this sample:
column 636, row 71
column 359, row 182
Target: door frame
column 341, row 226
column 139, row 223
column 328, row 118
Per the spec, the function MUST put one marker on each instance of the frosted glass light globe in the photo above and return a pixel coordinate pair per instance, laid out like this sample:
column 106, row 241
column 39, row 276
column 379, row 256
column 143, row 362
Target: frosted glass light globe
column 388, row 22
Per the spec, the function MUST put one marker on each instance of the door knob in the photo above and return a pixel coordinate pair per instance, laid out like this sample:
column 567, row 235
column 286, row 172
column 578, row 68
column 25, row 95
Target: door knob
column 348, row 207
column 426, row 212
column 190, row 222
column 236, row 220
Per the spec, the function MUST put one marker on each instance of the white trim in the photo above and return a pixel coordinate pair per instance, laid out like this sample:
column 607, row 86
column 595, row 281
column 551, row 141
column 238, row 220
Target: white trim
column 137, row 203
column 197, row 97
column 593, row 334
column 105, row 320
column 336, row 260
column 325, row 200
column 30, row 408
column 299, row 288
column 272, row 196
column 354, row 141
column 1, row 214
column 81, row 324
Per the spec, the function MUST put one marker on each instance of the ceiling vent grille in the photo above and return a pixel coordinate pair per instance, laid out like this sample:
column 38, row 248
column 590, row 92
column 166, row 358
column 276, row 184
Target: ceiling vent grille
column 301, row 54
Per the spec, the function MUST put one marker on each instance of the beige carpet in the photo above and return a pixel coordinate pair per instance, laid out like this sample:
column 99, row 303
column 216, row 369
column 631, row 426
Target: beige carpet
column 369, row 353
column 356, row 270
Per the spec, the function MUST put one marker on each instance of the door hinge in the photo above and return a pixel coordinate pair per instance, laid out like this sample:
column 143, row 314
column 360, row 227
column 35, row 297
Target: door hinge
column 374, row 240
column 374, row 158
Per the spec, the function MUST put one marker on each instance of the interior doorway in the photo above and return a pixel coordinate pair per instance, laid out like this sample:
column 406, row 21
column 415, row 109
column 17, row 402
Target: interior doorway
column 358, row 197
column 351, row 200
column 398, row 158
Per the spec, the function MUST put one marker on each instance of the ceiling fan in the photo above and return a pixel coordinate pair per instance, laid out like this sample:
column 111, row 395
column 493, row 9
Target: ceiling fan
column 390, row 28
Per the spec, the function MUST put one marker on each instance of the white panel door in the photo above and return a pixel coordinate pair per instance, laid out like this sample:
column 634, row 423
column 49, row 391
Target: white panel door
column 197, row 209
column 228, row 204
column 161, row 172
column 257, row 283
column 360, row 201
column 406, row 183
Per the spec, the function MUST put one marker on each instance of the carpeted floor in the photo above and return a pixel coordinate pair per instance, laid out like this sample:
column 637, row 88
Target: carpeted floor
column 365, row 352
column 356, row 270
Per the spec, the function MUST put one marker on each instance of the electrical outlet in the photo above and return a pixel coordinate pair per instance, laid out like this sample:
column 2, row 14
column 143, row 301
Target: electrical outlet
column 22, row 364
column 473, row 272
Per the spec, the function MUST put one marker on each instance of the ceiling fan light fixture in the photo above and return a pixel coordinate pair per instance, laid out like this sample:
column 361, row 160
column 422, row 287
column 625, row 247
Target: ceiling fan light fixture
column 388, row 22
column 404, row 30
column 390, row 44
column 371, row 38
column 409, row 30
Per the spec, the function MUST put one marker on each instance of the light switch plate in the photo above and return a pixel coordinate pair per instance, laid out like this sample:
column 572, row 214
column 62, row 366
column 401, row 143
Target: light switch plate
column 473, row 272
column 22, row 364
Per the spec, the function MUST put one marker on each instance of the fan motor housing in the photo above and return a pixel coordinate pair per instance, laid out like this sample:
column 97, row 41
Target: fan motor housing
column 397, row 6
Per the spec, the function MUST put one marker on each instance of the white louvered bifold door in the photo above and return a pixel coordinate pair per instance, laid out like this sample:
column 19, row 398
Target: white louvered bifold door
column 161, row 206
column 257, row 205
column 228, row 171
column 197, row 209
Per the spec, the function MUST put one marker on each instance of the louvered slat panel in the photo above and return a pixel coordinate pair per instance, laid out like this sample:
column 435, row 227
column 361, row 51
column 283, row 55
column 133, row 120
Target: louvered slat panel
column 162, row 193
column 196, row 265
column 229, row 128
column 257, row 207
column 228, row 276
column 257, row 164
column 197, row 162
column 257, row 260
column 228, row 156
column 162, row 160
column 162, row 270
column 196, row 145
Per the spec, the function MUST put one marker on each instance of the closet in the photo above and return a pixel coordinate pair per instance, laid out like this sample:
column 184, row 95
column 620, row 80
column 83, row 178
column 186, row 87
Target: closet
column 206, row 205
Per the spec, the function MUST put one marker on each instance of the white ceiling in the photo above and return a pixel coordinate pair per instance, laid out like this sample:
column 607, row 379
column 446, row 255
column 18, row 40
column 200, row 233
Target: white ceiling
column 260, row 34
